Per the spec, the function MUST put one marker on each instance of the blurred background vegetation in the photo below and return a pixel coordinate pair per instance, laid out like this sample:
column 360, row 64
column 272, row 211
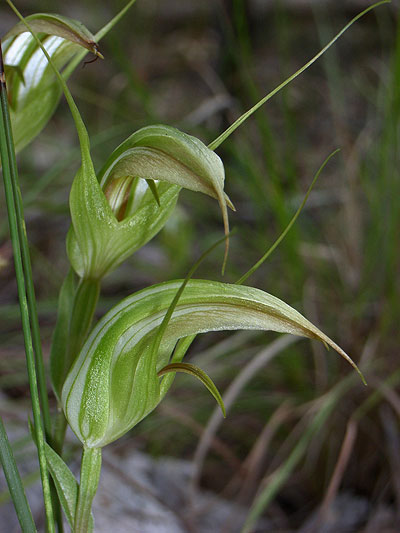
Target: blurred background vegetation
column 302, row 427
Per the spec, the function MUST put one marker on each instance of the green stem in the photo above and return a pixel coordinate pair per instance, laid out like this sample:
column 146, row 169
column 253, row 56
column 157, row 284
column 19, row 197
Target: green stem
column 26, row 262
column 6, row 147
column 90, row 475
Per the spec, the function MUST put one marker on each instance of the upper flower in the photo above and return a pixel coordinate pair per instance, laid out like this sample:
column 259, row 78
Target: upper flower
column 138, row 189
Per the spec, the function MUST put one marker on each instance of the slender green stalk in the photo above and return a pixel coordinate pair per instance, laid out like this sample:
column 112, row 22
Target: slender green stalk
column 26, row 261
column 14, row 482
column 6, row 146
column 221, row 138
column 90, row 475
column 286, row 230
column 105, row 29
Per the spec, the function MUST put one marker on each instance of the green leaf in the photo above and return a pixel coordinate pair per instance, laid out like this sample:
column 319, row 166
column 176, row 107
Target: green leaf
column 66, row 485
column 113, row 383
column 34, row 94
column 76, row 306
column 14, row 483
column 198, row 373
column 59, row 343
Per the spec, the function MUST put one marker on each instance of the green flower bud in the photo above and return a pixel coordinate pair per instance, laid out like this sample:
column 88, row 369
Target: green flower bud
column 33, row 90
column 138, row 189
column 117, row 380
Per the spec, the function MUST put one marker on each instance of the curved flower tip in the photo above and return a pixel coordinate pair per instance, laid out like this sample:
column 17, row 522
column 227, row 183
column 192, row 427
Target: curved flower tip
column 52, row 24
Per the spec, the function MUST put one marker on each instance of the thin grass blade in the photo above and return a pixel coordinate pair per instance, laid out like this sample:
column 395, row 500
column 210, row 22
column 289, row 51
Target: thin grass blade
column 26, row 261
column 278, row 478
column 14, row 482
column 6, row 150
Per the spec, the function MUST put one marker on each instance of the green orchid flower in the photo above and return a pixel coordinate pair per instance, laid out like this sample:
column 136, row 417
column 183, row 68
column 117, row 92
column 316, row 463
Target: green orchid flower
column 119, row 376
column 119, row 211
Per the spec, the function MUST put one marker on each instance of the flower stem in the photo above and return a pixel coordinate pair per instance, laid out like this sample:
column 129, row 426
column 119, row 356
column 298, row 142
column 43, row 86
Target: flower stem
column 90, row 475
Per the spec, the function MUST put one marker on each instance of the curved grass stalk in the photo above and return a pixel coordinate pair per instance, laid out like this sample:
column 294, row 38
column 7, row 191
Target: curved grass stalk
column 221, row 138
column 292, row 221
